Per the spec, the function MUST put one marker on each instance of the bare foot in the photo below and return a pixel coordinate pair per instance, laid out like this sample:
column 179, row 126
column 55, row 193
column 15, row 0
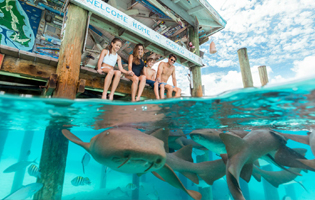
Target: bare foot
column 104, row 96
column 111, row 96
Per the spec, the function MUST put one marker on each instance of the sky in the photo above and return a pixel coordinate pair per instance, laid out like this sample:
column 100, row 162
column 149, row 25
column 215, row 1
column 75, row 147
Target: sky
column 276, row 33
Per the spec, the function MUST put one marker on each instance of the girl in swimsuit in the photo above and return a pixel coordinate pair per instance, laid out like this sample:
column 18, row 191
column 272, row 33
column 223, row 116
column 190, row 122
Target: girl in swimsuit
column 136, row 64
column 106, row 63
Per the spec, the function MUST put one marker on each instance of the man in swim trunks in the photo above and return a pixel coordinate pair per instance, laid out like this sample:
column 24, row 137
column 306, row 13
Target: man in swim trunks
column 165, row 70
column 151, row 74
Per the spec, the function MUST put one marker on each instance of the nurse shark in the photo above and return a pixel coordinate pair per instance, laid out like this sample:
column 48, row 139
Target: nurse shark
column 129, row 150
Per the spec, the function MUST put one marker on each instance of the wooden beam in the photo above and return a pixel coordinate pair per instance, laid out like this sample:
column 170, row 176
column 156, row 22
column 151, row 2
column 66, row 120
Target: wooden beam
column 196, row 72
column 178, row 10
column 207, row 22
column 81, row 87
column 50, row 85
column 146, row 44
column 167, row 12
column 195, row 9
column 245, row 68
column 121, row 31
column 203, row 40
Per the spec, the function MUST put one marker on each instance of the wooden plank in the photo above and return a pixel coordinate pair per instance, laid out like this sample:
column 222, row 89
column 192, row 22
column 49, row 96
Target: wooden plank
column 50, row 85
column 9, row 51
column 178, row 10
column 27, row 55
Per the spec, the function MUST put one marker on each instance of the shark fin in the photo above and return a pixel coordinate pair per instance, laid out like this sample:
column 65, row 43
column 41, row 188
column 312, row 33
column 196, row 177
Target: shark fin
column 140, row 174
column 256, row 163
column 279, row 136
column 298, row 138
column 185, row 153
column 309, row 163
column 191, row 176
column 157, row 176
column 162, row 134
column 280, row 166
column 301, row 151
column 70, row 136
column 224, row 158
column 246, row 172
column 288, row 157
column 169, row 176
column 233, row 143
column 256, row 175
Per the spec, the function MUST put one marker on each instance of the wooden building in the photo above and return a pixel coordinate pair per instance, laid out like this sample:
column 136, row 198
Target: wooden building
column 29, row 56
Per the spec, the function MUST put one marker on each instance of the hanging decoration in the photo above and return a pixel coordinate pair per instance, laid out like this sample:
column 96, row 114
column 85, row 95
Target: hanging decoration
column 213, row 50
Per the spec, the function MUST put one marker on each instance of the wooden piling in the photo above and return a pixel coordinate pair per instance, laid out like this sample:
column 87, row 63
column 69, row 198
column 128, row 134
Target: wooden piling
column 68, row 68
column 263, row 75
column 290, row 191
column 24, row 153
column 245, row 68
column 196, row 71
column 270, row 191
column 52, row 163
column 135, row 180
column 245, row 189
column 3, row 139
column 55, row 147
column 205, row 192
column 103, row 177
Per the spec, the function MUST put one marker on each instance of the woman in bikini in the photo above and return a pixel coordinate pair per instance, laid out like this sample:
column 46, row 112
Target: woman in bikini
column 136, row 64
column 106, row 63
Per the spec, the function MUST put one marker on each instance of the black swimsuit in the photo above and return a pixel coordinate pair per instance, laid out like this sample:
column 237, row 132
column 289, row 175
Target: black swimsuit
column 137, row 68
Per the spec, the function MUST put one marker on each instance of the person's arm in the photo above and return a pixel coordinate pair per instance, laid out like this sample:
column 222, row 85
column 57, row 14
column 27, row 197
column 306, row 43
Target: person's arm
column 121, row 68
column 159, row 72
column 130, row 59
column 100, row 61
column 174, row 78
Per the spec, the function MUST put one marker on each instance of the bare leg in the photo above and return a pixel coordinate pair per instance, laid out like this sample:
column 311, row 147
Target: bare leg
column 134, row 86
column 162, row 90
column 177, row 91
column 107, row 81
column 142, row 79
column 156, row 90
column 169, row 89
column 115, row 84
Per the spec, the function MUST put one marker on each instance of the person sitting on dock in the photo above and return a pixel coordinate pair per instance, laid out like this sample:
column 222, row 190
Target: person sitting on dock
column 136, row 64
column 106, row 63
column 165, row 70
column 151, row 74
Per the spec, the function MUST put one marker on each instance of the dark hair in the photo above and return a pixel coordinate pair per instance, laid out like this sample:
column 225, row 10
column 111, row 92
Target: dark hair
column 150, row 59
column 136, row 59
column 172, row 55
column 113, row 41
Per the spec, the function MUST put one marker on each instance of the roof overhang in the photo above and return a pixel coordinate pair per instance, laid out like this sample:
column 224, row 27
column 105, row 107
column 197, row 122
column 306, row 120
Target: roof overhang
column 133, row 30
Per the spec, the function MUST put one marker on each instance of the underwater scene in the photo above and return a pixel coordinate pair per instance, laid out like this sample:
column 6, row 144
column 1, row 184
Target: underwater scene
column 254, row 143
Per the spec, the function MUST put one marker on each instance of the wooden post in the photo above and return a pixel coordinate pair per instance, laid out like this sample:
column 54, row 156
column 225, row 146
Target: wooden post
column 52, row 163
column 270, row 191
column 196, row 71
column 183, row 179
column 263, row 75
column 25, row 148
column 205, row 192
column 245, row 189
column 245, row 68
column 135, row 180
column 55, row 147
column 290, row 191
column 3, row 139
column 103, row 177
column 68, row 68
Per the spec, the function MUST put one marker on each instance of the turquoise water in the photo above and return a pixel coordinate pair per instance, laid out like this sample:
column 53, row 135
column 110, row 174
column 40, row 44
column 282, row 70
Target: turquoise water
column 287, row 108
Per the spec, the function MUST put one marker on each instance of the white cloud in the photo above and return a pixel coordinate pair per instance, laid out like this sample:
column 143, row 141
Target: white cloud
column 304, row 68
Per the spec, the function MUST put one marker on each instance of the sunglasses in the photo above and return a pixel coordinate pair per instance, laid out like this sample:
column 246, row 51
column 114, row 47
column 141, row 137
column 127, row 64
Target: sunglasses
column 173, row 60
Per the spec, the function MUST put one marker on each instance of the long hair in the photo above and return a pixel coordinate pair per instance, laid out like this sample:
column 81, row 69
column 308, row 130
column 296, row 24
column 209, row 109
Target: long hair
column 111, row 46
column 136, row 59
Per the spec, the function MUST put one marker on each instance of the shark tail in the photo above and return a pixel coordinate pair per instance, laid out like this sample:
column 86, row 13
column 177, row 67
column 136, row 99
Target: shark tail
column 211, row 171
column 70, row 136
column 167, row 174
column 256, row 175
